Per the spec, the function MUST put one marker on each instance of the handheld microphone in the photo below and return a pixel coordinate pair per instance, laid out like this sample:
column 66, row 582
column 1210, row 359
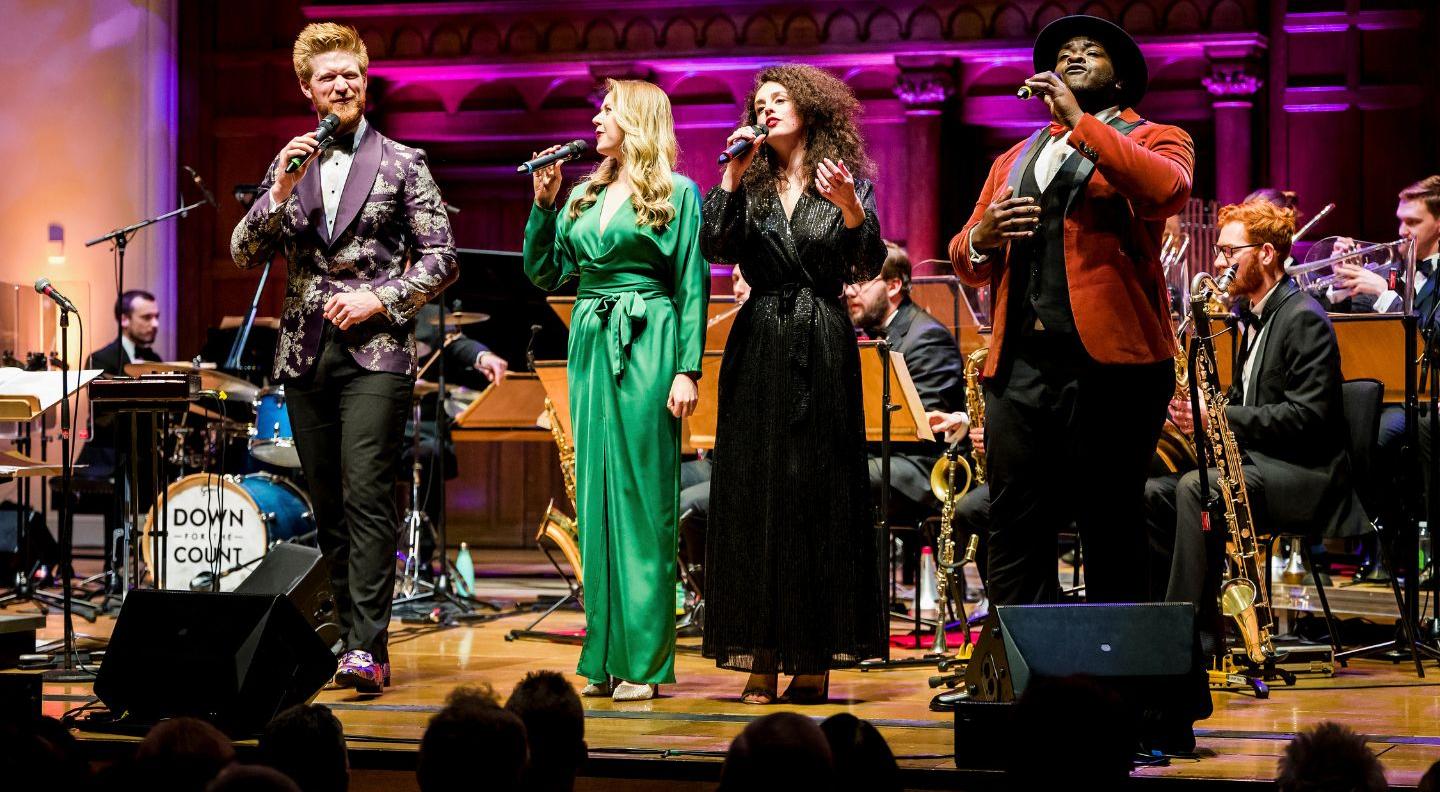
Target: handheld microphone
column 209, row 197
column 43, row 286
column 739, row 147
column 322, row 136
column 565, row 153
column 1024, row 92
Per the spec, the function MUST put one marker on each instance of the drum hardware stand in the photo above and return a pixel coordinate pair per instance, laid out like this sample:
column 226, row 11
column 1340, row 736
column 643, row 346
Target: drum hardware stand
column 449, row 606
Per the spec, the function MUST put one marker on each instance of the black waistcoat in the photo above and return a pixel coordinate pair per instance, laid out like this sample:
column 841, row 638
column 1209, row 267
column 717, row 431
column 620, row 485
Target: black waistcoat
column 1037, row 265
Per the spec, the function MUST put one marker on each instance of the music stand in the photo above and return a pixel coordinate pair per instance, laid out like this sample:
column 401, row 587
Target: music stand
column 884, row 378
column 25, row 396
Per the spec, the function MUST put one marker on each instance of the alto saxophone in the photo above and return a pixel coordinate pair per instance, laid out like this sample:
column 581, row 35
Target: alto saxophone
column 557, row 526
column 1243, row 596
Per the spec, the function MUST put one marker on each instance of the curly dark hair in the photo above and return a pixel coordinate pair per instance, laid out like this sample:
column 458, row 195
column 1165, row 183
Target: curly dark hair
column 827, row 108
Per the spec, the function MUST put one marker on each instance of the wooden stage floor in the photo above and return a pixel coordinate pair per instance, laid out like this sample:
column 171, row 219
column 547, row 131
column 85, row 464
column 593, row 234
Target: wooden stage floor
column 679, row 739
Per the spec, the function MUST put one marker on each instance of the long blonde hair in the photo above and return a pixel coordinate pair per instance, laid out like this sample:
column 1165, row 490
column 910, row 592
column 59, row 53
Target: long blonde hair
column 649, row 151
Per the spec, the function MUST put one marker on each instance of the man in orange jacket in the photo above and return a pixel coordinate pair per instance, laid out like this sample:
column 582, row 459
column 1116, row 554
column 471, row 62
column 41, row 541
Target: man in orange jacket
column 1067, row 232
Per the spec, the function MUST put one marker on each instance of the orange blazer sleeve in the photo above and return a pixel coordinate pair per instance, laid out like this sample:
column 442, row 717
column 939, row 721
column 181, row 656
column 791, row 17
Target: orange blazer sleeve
column 977, row 275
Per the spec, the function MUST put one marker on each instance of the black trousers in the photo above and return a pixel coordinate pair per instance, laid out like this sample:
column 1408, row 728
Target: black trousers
column 1069, row 439
column 349, row 424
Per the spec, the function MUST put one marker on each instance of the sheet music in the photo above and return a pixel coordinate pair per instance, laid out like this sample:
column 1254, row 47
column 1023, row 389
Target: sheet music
column 43, row 388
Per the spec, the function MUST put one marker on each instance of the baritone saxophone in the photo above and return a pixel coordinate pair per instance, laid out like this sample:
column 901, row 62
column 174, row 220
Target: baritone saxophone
column 1243, row 597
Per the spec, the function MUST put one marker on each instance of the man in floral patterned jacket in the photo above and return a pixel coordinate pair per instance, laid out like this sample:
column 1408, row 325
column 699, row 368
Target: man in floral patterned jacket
column 365, row 234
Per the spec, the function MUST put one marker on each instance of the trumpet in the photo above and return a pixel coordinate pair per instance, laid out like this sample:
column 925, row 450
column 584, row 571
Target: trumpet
column 1331, row 252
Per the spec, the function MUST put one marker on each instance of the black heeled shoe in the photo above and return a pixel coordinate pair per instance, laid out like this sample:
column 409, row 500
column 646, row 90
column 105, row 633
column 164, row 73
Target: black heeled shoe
column 799, row 694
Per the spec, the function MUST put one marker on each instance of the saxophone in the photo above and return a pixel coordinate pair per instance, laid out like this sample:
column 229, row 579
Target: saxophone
column 556, row 525
column 975, row 401
column 1243, row 596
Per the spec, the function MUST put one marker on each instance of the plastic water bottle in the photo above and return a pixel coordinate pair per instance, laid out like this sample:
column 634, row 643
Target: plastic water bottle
column 464, row 572
column 925, row 583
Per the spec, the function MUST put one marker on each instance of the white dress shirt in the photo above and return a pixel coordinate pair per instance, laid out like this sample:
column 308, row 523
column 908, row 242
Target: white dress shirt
column 334, row 167
column 1247, row 381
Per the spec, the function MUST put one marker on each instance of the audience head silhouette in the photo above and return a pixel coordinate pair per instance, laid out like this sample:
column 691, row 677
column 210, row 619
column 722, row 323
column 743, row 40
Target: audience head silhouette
column 307, row 743
column 182, row 755
column 555, row 726
column 473, row 731
column 863, row 761
column 781, row 752
column 1329, row 758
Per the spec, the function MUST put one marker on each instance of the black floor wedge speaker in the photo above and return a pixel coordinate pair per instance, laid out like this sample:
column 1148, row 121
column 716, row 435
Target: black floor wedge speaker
column 233, row 659
column 299, row 573
column 1146, row 653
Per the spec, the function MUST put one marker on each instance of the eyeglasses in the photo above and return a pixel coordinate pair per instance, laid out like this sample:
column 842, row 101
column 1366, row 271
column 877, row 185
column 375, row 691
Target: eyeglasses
column 1228, row 251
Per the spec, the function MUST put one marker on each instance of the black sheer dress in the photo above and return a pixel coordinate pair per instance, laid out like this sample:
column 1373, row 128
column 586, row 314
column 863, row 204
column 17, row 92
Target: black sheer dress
column 792, row 580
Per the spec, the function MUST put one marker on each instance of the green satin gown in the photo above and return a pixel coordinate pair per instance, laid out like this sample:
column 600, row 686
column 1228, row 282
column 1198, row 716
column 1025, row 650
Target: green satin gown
column 639, row 320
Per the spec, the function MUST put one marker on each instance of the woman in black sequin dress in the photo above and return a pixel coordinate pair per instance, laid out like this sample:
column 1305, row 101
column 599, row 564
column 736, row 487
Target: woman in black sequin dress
column 793, row 584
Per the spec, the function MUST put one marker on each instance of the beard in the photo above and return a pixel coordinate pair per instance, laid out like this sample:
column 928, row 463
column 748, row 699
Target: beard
column 349, row 112
column 872, row 313
column 1246, row 282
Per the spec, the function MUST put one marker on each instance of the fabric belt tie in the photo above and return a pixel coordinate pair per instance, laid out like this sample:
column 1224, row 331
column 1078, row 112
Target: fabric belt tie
column 623, row 315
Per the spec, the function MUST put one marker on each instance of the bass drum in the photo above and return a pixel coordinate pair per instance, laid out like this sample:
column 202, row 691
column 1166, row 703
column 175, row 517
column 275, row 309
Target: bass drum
column 234, row 519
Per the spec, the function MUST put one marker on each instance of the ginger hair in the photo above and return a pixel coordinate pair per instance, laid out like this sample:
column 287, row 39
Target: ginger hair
column 1263, row 222
column 319, row 38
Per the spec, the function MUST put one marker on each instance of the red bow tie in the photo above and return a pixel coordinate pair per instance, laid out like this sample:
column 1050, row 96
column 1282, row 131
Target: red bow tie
column 1056, row 130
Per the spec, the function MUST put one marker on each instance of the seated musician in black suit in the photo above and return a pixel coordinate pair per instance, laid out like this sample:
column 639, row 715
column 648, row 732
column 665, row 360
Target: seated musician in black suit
column 139, row 318
column 882, row 308
column 1285, row 409
column 468, row 364
column 1358, row 290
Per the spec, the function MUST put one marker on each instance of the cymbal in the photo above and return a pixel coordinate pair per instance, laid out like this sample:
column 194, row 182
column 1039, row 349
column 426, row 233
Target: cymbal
column 235, row 388
column 457, row 318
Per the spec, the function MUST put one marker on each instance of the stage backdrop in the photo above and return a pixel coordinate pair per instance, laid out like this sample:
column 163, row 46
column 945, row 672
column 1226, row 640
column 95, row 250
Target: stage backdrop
column 1327, row 97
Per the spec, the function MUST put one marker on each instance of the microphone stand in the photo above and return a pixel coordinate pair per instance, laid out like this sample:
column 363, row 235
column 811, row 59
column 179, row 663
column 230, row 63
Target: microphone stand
column 68, row 668
column 120, row 237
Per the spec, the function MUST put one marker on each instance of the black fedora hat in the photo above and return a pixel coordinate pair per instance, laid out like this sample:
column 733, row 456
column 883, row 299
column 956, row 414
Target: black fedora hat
column 1124, row 52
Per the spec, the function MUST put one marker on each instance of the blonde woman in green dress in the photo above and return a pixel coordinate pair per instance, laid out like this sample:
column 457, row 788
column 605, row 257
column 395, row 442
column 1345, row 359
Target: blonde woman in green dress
column 631, row 234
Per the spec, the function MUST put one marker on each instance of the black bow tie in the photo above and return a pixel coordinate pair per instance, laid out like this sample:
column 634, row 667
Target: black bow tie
column 1250, row 318
column 345, row 143
column 1425, row 266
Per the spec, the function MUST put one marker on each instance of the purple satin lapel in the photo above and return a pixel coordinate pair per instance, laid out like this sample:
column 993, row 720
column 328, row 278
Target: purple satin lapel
column 311, row 204
column 358, row 183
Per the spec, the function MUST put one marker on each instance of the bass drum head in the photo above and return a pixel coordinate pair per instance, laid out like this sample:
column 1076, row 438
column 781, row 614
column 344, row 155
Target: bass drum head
column 210, row 518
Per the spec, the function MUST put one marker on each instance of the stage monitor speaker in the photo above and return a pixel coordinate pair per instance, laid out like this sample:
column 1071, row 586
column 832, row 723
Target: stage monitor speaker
column 233, row 659
column 299, row 573
column 1144, row 652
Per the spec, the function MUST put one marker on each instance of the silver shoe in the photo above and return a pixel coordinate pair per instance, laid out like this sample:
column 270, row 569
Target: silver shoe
column 630, row 691
column 594, row 690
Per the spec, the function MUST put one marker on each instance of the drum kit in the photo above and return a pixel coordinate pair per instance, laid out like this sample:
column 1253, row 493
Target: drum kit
column 237, row 488
column 220, row 525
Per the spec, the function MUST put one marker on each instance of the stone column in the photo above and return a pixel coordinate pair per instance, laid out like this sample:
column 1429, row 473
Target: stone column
column 923, row 92
column 1233, row 86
